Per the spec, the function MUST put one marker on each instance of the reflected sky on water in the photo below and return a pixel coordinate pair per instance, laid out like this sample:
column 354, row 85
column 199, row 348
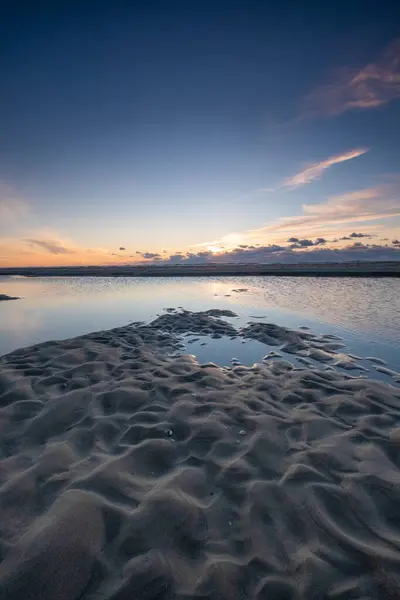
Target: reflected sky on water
column 364, row 312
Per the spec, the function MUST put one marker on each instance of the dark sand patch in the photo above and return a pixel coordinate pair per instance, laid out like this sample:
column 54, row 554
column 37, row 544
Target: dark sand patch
column 204, row 323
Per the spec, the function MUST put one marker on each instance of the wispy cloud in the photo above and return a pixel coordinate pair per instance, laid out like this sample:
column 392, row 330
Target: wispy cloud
column 46, row 248
column 316, row 170
column 307, row 175
column 359, row 206
column 364, row 88
column 51, row 246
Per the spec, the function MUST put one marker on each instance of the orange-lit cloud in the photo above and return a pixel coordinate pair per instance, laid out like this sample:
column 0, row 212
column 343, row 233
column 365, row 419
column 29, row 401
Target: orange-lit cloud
column 368, row 87
column 322, row 226
column 316, row 170
column 359, row 206
column 329, row 217
column 44, row 250
column 51, row 246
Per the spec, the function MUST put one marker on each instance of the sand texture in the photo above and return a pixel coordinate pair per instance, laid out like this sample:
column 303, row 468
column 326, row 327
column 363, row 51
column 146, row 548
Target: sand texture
column 130, row 472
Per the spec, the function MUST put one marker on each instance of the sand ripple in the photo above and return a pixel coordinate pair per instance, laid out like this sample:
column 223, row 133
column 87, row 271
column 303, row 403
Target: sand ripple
column 126, row 473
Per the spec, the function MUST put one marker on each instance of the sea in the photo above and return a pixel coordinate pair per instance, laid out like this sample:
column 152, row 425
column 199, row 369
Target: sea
column 363, row 312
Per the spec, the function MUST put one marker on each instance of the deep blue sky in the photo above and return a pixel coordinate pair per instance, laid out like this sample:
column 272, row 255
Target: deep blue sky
column 152, row 124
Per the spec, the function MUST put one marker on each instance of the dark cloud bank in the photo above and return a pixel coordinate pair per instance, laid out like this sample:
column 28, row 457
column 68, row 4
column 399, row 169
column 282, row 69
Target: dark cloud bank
column 296, row 251
column 285, row 255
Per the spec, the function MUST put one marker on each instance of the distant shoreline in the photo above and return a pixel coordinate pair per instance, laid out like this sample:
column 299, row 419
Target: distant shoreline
column 352, row 269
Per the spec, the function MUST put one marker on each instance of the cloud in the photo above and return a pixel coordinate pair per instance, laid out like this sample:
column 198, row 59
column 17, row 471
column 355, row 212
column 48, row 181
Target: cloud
column 237, row 255
column 356, row 235
column 122, row 248
column 148, row 255
column 328, row 217
column 306, row 176
column 175, row 258
column 46, row 248
column 312, row 172
column 51, row 246
column 364, row 88
column 302, row 244
column 359, row 206
column 396, row 242
column 305, row 243
column 316, row 170
column 275, row 253
column 356, row 245
column 360, row 235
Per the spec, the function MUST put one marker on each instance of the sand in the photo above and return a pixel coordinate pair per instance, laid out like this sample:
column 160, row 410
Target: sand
column 130, row 471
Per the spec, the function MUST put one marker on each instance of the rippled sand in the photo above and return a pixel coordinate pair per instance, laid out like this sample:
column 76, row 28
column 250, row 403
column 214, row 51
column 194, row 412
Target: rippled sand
column 129, row 471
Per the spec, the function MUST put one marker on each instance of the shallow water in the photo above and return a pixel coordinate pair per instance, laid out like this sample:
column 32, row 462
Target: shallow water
column 365, row 313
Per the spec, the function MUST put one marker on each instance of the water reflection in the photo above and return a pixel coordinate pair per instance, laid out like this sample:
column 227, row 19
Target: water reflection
column 365, row 311
column 369, row 305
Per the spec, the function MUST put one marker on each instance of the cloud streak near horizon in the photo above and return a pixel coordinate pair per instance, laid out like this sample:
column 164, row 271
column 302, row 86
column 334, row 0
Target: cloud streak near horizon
column 291, row 254
column 51, row 246
column 359, row 206
column 34, row 252
column 370, row 204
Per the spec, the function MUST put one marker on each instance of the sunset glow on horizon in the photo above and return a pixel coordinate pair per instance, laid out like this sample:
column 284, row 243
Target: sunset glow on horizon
column 198, row 136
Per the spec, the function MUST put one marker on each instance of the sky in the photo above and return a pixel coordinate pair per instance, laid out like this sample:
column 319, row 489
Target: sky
column 191, row 132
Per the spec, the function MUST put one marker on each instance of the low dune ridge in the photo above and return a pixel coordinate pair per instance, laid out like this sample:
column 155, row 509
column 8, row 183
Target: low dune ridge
column 130, row 471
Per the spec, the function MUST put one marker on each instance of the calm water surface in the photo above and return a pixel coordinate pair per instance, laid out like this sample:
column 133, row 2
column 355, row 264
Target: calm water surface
column 364, row 312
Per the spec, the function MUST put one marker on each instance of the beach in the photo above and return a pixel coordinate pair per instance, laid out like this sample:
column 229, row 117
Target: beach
column 200, row 301
column 130, row 470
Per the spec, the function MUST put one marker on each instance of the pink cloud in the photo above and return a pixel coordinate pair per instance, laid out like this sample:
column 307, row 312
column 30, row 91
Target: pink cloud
column 368, row 87
column 359, row 206
column 51, row 246
column 316, row 170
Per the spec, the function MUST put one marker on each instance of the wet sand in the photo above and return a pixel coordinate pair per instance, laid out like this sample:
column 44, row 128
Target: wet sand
column 128, row 470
